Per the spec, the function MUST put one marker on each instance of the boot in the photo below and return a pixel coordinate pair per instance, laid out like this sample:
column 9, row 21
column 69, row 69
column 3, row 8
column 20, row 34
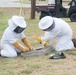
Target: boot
column 74, row 42
column 0, row 53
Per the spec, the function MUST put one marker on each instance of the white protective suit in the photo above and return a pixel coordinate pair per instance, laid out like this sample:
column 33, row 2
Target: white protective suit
column 9, row 37
column 62, row 32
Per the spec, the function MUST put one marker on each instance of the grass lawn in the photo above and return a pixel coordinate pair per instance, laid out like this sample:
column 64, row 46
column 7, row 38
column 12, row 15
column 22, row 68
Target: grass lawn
column 35, row 65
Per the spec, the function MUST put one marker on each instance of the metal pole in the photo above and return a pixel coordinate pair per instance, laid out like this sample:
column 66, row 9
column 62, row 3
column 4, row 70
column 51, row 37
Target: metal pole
column 33, row 3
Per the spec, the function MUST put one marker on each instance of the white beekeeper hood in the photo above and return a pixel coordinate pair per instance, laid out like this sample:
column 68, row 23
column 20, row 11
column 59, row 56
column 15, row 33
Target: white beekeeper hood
column 45, row 22
column 17, row 21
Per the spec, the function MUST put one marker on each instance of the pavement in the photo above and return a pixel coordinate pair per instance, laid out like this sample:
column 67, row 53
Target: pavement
column 16, row 3
column 12, row 3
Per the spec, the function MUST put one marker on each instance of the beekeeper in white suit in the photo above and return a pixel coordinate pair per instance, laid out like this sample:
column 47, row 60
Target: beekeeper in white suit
column 56, row 28
column 11, row 35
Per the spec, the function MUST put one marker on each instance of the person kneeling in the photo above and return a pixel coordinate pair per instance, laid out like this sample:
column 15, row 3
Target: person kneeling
column 11, row 35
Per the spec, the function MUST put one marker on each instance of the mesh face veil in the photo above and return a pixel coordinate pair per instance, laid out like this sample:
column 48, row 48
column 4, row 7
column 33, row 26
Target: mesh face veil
column 18, row 29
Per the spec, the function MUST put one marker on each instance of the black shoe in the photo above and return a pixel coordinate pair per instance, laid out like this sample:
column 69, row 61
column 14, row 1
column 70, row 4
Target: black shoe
column 58, row 56
column 74, row 42
column 19, row 53
column 0, row 53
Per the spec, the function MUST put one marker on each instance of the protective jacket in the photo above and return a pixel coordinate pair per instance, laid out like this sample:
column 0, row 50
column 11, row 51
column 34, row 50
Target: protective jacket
column 62, row 32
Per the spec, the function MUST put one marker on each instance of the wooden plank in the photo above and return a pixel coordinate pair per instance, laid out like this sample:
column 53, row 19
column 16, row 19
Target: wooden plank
column 38, row 52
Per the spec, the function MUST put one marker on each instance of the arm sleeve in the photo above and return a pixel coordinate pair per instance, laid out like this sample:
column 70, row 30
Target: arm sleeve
column 11, row 38
column 47, row 36
column 22, row 35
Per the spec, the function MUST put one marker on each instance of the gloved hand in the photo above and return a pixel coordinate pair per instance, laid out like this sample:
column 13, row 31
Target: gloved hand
column 31, row 48
column 46, row 43
column 39, row 39
column 20, row 47
column 26, row 42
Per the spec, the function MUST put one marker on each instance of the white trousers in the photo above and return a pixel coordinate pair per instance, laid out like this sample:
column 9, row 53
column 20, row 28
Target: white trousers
column 9, row 51
column 64, row 43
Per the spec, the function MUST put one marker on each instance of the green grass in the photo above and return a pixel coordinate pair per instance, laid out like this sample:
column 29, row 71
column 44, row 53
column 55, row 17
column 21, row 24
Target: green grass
column 35, row 65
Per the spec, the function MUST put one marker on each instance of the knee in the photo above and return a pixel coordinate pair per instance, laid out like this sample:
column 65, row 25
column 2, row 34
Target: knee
column 4, row 53
column 13, row 55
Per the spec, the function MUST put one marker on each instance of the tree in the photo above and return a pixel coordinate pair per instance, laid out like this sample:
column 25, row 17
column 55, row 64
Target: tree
column 33, row 3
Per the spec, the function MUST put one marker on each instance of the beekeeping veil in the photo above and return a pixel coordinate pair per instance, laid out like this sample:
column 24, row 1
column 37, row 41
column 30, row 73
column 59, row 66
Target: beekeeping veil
column 17, row 24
